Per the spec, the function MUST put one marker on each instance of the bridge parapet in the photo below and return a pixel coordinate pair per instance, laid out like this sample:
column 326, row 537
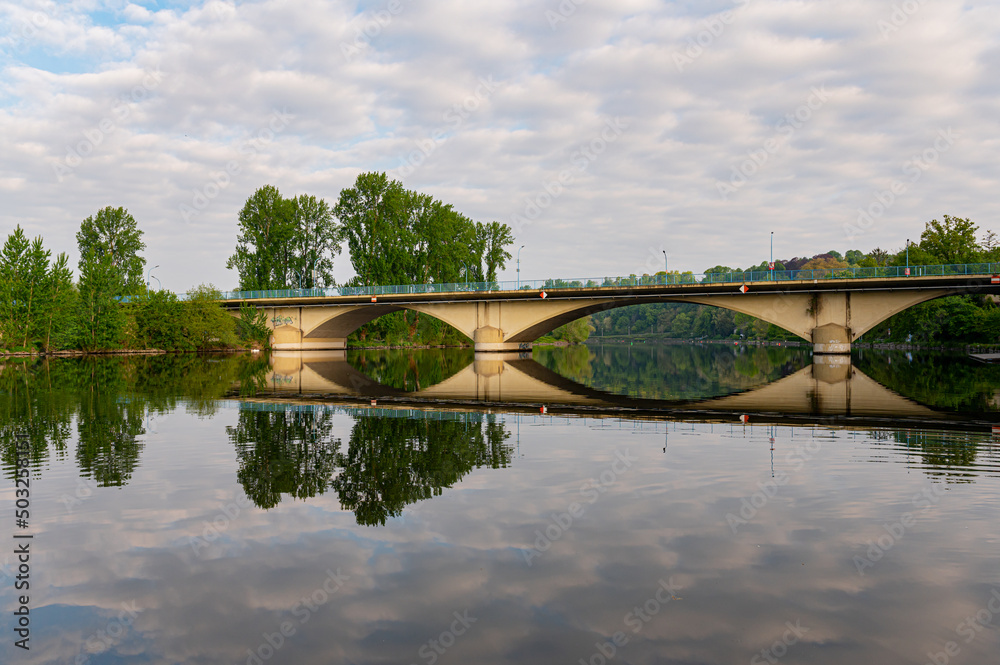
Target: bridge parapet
column 673, row 279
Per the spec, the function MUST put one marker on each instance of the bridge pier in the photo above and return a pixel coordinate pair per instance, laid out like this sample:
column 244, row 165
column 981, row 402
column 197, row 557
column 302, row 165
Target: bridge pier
column 491, row 339
column 831, row 339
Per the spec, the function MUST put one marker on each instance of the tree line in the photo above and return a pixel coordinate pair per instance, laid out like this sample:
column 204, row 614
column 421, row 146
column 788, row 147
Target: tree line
column 393, row 236
column 951, row 320
column 109, row 307
column 110, row 406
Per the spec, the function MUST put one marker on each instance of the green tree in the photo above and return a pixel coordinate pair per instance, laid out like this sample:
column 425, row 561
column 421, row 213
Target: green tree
column 397, row 236
column 100, row 319
column 264, row 252
column 495, row 238
column 113, row 234
column 441, row 241
column 24, row 273
column 991, row 247
column 315, row 242
column 372, row 215
column 854, row 256
column 879, row 257
column 57, row 312
column 574, row 332
column 917, row 256
column 951, row 241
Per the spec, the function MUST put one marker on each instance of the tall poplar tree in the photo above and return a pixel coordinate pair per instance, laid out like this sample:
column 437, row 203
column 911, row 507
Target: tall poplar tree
column 113, row 236
column 373, row 219
column 100, row 318
column 495, row 238
column 30, row 290
column 315, row 242
column 263, row 246
column 56, row 314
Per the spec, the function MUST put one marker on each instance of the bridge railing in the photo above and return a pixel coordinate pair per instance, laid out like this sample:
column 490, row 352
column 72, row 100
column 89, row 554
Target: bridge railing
column 734, row 277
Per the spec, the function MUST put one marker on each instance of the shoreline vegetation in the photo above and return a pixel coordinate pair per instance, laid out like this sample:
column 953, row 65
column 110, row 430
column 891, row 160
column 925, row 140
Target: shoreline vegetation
column 398, row 236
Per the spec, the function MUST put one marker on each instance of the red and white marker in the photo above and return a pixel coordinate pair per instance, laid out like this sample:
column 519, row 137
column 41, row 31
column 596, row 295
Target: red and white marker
column 744, row 288
column 995, row 279
column 543, row 295
column 374, row 299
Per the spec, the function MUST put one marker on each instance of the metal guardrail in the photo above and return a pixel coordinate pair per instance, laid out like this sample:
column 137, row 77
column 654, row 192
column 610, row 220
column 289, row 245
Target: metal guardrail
column 735, row 277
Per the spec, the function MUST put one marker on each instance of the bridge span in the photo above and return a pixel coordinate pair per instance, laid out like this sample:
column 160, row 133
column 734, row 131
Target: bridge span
column 829, row 309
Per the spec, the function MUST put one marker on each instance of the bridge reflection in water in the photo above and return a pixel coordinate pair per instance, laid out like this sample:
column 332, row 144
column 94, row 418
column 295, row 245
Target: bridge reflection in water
column 829, row 387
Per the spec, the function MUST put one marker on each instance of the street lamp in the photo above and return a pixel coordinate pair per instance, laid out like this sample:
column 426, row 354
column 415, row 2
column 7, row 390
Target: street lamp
column 666, row 271
column 147, row 276
column 519, row 267
column 308, row 272
column 907, row 257
column 770, row 265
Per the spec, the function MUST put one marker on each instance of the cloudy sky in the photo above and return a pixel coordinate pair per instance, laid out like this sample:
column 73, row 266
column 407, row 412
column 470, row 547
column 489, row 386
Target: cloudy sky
column 603, row 131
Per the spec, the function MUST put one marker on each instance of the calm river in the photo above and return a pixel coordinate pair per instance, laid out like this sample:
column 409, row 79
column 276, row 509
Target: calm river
column 618, row 504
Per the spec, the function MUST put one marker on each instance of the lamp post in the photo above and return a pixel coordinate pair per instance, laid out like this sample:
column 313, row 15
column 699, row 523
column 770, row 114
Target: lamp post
column 147, row 275
column 666, row 271
column 770, row 265
column 519, row 267
column 308, row 272
column 907, row 257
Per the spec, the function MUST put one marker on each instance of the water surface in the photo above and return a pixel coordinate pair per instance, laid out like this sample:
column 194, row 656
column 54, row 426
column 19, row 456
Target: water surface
column 186, row 510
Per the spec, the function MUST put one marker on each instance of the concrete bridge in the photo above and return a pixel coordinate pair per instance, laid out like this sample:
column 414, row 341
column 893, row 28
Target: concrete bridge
column 829, row 387
column 829, row 310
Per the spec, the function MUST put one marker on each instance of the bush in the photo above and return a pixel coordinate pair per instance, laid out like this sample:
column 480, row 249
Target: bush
column 206, row 324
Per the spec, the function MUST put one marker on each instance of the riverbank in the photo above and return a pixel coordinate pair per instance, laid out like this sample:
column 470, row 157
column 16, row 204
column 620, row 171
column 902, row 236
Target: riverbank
column 76, row 353
column 886, row 346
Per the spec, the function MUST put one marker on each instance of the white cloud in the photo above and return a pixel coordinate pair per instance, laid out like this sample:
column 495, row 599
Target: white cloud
column 228, row 67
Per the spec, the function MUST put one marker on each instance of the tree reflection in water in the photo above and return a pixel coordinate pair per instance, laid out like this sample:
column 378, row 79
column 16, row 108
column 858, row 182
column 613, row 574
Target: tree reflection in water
column 284, row 452
column 102, row 405
column 390, row 461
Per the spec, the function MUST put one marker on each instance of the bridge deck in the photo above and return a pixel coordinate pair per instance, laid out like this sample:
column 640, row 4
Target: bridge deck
column 979, row 283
